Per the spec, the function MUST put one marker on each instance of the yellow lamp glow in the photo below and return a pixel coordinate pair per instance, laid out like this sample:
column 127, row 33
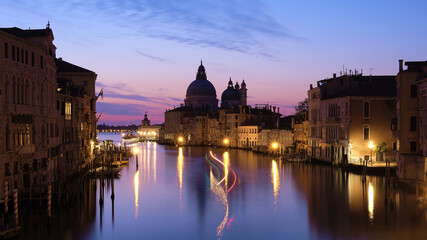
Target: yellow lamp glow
column 225, row 141
column 274, row 145
column 180, row 139
column 135, row 150
column 371, row 145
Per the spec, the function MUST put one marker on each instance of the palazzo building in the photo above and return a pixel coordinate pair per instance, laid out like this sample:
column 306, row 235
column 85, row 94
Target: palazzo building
column 37, row 115
column 410, row 124
column 349, row 116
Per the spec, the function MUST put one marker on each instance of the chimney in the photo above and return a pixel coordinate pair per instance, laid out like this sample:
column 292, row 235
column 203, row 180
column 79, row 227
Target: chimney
column 270, row 107
column 334, row 75
column 278, row 110
column 400, row 65
column 274, row 109
column 249, row 110
column 311, row 86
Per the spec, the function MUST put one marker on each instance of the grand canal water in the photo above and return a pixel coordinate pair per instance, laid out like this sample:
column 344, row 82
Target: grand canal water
column 178, row 193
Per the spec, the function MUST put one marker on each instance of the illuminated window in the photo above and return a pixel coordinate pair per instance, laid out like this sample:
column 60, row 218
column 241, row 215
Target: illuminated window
column 67, row 111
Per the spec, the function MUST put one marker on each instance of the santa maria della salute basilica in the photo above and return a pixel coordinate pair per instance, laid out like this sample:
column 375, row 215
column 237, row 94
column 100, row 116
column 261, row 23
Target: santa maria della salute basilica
column 199, row 120
column 201, row 94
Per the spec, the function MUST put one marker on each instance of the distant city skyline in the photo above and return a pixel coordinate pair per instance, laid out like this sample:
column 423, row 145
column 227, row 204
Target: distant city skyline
column 146, row 53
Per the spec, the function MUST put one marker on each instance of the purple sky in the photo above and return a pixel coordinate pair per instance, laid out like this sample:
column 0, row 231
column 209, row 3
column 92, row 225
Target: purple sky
column 146, row 53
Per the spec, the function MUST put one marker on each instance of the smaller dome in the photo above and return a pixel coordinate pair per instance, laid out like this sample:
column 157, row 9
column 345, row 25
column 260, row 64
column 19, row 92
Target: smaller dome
column 230, row 94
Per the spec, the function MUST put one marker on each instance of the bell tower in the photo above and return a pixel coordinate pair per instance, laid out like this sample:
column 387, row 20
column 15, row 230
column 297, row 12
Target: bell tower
column 243, row 94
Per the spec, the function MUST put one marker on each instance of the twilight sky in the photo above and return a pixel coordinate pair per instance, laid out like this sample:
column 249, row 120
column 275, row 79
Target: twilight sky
column 146, row 52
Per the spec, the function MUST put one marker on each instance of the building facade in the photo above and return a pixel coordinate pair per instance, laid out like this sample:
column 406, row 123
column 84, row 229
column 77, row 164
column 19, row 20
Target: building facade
column 346, row 117
column 411, row 120
column 31, row 127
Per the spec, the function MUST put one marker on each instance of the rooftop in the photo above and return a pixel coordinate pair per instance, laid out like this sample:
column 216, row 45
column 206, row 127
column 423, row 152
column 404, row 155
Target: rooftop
column 64, row 66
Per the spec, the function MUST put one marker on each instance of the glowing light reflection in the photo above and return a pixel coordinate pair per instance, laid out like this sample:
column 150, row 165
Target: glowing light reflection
column 371, row 201
column 221, row 195
column 136, row 185
column 275, row 179
column 225, row 168
column 180, row 168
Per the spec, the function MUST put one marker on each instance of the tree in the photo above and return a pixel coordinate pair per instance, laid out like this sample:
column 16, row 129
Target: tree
column 381, row 149
column 301, row 109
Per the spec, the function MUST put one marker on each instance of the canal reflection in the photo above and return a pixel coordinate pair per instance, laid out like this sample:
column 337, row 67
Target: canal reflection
column 136, row 186
column 275, row 180
column 261, row 198
column 180, row 169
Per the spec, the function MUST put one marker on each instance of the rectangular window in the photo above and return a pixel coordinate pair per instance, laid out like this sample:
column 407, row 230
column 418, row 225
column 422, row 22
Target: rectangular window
column 393, row 126
column 41, row 62
column 13, row 53
column 6, row 50
column 67, row 111
column 413, row 146
column 366, row 131
column 18, row 54
column 413, row 124
column 26, row 57
column 32, row 59
column 366, row 109
column 22, row 55
column 414, row 91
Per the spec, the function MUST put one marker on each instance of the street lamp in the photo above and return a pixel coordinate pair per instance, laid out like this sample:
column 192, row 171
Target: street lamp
column 180, row 140
column 371, row 146
column 274, row 145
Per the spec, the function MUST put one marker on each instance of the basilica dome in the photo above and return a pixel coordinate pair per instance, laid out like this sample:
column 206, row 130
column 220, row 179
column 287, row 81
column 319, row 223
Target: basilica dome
column 230, row 94
column 201, row 93
column 201, row 86
column 231, row 97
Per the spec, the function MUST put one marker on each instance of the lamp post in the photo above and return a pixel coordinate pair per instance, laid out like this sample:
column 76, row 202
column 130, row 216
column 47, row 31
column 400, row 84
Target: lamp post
column 371, row 146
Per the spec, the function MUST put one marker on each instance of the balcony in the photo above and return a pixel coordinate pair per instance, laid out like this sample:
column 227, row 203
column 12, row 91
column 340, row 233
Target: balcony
column 26, row 149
